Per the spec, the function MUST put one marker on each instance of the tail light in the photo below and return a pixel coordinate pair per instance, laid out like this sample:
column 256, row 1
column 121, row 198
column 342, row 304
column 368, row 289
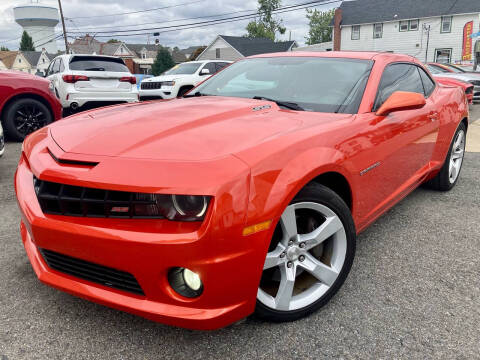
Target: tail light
column 130, row 79
column 71, row 79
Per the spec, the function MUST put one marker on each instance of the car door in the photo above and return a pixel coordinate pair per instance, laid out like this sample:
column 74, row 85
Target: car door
column 53, row 73
column 401, row 143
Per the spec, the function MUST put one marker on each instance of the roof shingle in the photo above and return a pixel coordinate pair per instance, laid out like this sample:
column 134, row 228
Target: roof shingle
column 254, row 46
column 372, row 11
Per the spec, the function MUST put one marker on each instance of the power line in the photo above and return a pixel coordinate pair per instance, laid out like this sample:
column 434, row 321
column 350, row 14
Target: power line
column 138, row 11
column 211, row 22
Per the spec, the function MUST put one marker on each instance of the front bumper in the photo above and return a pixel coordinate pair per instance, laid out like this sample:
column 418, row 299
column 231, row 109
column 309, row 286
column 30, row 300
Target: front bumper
column 163, row 93
column 228, row 263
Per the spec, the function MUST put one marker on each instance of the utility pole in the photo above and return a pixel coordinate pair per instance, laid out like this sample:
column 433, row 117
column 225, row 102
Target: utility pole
column 63, row 25
column 427, row 28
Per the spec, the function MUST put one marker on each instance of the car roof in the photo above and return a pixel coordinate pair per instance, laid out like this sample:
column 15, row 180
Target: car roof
column 363, row 55
column 205, row 61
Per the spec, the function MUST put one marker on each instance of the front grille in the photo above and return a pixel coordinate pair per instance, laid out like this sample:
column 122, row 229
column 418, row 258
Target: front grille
column 61, row 199
column 151, row 85
column 92, row 272
column 475, row 82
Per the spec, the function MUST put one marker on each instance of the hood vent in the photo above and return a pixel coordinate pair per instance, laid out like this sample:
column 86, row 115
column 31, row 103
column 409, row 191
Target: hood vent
column 72, row 162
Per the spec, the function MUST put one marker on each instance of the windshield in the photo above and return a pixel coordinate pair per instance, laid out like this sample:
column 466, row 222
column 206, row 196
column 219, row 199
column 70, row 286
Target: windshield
column 313, row 83
column 93, row 63
column 455, row 69
column 434, row 69
column 183, row 69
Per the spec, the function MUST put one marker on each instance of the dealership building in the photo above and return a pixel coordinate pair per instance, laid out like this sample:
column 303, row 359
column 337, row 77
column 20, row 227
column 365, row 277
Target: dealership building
column 431, row 30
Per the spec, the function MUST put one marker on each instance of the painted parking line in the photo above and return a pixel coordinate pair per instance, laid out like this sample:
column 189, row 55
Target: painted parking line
column 473, row 137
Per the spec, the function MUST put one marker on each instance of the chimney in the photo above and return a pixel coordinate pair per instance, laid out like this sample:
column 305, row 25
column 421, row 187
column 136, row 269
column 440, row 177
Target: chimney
column 337, row 31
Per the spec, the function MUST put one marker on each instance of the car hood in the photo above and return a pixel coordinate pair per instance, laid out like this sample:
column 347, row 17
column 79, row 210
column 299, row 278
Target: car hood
column 192, row 129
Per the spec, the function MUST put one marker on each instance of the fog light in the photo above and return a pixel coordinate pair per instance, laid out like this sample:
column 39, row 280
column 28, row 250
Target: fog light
column 192, row 279
column 185, row 282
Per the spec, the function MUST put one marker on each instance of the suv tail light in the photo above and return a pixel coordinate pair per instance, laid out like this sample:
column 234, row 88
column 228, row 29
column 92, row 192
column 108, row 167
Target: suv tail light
column 130, row 79
column 71, row 79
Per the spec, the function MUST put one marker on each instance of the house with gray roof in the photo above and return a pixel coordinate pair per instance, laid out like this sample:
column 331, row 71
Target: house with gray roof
column 237, row 47
column 431, row 30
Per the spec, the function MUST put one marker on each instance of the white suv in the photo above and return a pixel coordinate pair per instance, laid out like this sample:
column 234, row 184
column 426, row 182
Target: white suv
column 179, row 79
column 82, row 79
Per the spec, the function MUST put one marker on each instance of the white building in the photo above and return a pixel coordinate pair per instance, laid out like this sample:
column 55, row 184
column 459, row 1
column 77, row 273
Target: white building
column 431, row 30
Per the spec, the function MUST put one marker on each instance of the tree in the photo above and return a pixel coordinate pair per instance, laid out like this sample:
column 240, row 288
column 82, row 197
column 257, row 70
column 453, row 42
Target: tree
column 197, row 52
column 26, row 44
column 266, row 26
column 163, row 62
column 4, row 48
column 113, row 41
column 319, row 23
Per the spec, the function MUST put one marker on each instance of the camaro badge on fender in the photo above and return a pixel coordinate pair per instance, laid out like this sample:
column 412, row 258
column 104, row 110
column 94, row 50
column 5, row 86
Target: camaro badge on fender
column 371, row 167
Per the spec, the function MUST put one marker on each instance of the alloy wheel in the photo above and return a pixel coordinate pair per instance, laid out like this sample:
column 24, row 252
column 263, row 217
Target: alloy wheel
column 305, row 257
column 456, row 156
column 28, row 118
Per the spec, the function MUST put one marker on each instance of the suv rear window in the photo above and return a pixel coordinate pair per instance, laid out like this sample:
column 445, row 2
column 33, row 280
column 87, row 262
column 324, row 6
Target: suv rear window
column 97, row 63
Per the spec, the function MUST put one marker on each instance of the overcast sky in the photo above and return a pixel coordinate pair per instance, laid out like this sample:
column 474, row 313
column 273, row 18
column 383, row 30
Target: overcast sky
column 90, row 15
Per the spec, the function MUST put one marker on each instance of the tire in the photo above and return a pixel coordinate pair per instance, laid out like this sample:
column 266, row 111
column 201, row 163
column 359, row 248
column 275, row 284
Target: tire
column 314, row 207
column 24, row 116
column 444, row 181
column 183, row 90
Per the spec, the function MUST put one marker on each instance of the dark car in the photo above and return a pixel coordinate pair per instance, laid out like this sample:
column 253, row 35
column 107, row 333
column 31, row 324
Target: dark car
column 27, row 103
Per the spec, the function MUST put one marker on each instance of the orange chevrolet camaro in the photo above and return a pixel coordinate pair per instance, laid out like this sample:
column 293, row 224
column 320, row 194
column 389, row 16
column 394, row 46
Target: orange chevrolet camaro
column 243, row 197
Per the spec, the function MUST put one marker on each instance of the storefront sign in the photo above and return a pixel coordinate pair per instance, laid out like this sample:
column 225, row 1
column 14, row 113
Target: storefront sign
column 467, row 41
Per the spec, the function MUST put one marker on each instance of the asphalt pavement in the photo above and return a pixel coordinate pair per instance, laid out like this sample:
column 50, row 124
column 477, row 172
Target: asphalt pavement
column 413, row 292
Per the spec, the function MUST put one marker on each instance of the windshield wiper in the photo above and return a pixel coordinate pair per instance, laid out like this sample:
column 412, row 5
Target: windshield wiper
column 286, row 104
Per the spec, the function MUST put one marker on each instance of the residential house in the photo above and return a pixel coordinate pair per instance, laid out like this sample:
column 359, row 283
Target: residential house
column 237, row 47
column 139, row 58
column 38, row 60
column 7, row 58
column 188, row 52
column 431, row 30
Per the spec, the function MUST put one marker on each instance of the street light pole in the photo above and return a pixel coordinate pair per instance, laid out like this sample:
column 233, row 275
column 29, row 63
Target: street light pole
column 63, row 25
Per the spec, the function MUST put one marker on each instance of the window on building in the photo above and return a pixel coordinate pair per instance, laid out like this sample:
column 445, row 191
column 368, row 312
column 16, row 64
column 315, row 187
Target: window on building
column 413, row 25
column 19, row 60
column 443, row 56
column 446, row 24
column 144, row 55
column 356, row 32
column 377, row 31
column 403, row 26
column 398, row 77
column 217, row 53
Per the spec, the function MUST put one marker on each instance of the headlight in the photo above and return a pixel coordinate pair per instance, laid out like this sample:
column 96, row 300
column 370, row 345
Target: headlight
column 172, row 207
column 168, row 83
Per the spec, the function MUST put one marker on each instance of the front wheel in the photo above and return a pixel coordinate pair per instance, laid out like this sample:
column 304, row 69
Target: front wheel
column 309, row 257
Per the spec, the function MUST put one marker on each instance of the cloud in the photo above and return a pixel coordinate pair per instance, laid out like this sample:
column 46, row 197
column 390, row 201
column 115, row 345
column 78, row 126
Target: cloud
column 84, row 16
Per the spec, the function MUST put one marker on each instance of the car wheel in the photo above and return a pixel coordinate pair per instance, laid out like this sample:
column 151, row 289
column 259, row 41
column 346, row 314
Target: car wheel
column 309, row 258
column 184, row 90
column 448, row 175
column 24, row 116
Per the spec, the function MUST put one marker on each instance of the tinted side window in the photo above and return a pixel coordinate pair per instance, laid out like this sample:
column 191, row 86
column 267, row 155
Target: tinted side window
column 398, row 77
column 50, row 68
column 56, row 66
column 220, row 65
column 211, row 67
column 428, row 83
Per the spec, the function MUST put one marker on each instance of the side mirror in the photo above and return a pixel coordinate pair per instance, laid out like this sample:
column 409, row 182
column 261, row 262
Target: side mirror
column 401, row 100
column 204, row 72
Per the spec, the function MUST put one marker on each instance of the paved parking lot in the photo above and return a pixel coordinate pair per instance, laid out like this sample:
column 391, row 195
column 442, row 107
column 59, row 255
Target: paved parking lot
column 414, row 292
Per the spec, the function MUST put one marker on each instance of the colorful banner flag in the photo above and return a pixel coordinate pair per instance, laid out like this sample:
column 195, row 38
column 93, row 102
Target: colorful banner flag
column 467, row 41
